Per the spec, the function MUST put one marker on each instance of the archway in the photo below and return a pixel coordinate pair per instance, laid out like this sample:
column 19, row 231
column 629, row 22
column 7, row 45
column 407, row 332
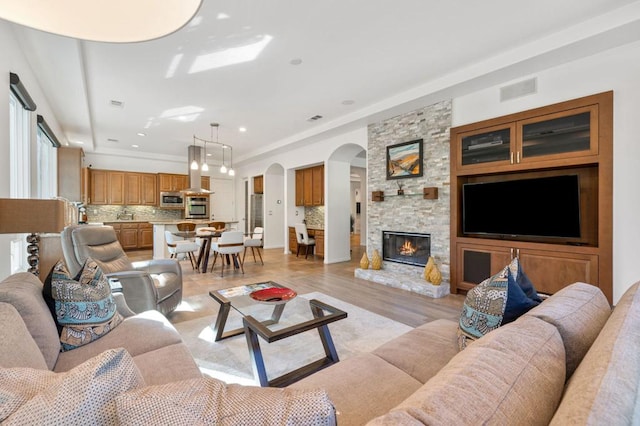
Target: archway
column 339, row 199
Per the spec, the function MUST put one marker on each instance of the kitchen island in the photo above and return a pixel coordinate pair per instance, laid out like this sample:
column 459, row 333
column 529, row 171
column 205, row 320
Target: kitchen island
column 160, row 250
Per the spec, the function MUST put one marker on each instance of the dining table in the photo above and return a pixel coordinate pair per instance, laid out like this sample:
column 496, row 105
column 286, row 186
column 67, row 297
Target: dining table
column 205, row 248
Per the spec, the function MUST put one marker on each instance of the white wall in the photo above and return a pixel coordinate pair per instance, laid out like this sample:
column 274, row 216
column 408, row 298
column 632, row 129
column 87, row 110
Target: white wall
column 616, row 70
column 274, row 203
column 12, row 60
column 311, row 154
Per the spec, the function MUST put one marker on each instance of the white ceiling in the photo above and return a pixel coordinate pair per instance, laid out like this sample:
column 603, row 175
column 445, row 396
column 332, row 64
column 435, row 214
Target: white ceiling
column 381, row 56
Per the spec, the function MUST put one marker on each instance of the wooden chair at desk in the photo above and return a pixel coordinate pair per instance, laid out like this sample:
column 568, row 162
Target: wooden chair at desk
column 302, row 236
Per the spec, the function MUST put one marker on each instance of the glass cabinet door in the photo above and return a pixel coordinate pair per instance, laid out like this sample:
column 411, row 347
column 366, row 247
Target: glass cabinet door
column 569, row 132
column 489, row 146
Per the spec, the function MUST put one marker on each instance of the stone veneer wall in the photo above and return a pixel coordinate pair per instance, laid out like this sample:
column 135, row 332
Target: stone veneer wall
column 412, row 213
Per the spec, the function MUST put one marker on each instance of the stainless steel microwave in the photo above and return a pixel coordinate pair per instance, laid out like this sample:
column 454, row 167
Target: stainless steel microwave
column 170, row 200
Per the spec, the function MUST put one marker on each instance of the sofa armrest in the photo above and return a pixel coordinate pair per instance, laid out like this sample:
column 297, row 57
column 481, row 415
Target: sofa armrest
column 209, row 401
column 121, row 305
column 159, row 266
column 138, row 289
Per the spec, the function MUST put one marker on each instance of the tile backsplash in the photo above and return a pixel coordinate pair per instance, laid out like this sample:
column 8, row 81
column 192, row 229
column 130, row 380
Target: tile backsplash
column 109, row 213
column 314, row 216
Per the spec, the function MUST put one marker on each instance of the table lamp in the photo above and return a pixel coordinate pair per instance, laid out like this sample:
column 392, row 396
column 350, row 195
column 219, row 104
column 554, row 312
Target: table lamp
column 32, row 216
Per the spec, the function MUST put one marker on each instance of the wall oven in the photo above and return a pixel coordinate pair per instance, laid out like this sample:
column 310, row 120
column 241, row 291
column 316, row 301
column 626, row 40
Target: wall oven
column 196, row 207
column 172, row 200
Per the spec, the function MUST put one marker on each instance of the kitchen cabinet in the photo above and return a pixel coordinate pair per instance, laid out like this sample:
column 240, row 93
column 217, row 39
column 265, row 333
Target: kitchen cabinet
column 107, row 187
column 122, row 188
column 316, row 233
column 172, row 182
column 569, row 138
column 140, row 189
column 145, row 235
column 129, row 236
column 133, row 235
column 300, row 187
column 70, row 161
column 258, row 184
column 99, row 184
column 310, row 186
column 205, row 182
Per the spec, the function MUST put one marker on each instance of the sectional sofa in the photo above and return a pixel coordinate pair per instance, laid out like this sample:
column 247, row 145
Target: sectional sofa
column 571, row 360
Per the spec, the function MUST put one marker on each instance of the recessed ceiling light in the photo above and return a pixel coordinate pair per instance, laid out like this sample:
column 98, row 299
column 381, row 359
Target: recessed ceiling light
column 295, row 61
column 78, row 142
column 135, row 146
column 348, row 102
column 113, row 140
column 242, row 129
column 142, row 134
column 222, row 15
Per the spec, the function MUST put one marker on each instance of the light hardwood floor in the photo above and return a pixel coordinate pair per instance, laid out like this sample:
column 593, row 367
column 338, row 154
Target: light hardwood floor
column 308, row 275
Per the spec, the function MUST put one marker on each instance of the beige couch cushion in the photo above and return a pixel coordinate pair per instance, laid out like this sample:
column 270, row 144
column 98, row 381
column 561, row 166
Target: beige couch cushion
column 170, row 363
column 24, row 291
column 513, row 375
column 423, row 351
column 212, row 402
column 18, row 349
column 604, row 388
column 139, row 334
column 579, row 312
column 361, row 387
column 84, row 395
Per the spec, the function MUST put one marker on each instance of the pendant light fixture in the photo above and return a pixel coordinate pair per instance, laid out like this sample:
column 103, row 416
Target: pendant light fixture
column 231, row 171
column 204, row 166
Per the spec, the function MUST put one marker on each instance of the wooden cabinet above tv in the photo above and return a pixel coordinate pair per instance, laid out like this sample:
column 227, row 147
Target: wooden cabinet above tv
column 569, row 138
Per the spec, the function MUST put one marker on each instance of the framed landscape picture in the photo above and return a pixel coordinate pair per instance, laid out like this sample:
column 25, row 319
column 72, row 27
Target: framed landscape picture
column 404, row 160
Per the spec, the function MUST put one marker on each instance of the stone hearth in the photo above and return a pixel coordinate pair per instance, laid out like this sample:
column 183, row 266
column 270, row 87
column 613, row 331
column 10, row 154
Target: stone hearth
column 412, row 283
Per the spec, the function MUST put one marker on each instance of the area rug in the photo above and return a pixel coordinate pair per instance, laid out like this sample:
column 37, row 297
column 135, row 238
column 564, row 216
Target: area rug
column 228, row 359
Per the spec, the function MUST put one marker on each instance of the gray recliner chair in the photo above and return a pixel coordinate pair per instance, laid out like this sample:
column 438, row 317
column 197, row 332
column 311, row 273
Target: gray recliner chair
column 152, row 284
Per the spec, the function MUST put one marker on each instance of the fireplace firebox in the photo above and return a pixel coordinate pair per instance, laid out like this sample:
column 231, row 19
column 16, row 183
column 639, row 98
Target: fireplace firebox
column 406, row 247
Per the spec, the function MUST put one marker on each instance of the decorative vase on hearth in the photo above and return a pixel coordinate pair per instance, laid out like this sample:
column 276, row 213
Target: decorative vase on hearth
column 376, row 260
column 364, row 262
column 432, row 273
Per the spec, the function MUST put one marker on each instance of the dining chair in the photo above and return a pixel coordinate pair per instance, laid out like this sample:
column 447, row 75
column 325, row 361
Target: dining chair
column 230, row 243
column 302, row 236
column 254, row 242
column 186, row 226
column 179, row 247
column 220, row 226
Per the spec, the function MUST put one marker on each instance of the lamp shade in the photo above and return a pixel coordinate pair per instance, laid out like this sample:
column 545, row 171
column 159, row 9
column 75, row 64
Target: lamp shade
column 116, row 21
column 24, row 215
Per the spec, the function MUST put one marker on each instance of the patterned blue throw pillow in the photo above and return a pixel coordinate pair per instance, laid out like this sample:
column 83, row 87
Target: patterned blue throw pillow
column 83, row 307
column 496, row 301
column 483, row 308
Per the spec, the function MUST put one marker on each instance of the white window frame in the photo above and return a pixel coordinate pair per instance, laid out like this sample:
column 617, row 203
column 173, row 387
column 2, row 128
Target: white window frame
column 46, row 167
column 19, row 172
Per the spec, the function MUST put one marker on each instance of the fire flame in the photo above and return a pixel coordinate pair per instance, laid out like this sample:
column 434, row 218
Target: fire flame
column 407, row 249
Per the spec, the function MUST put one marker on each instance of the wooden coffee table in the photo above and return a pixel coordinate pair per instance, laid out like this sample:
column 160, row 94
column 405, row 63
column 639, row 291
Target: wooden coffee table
column 272, row 322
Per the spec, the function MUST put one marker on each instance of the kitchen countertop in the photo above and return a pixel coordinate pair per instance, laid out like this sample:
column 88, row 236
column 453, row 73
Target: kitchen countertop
column 196, row 221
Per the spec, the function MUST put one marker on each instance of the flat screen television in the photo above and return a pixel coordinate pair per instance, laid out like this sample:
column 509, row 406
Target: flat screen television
column 547, row 207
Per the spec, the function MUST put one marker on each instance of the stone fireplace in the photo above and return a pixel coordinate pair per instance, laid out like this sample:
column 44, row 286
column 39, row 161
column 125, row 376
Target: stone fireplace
column 410, row 211
column 410, row 248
